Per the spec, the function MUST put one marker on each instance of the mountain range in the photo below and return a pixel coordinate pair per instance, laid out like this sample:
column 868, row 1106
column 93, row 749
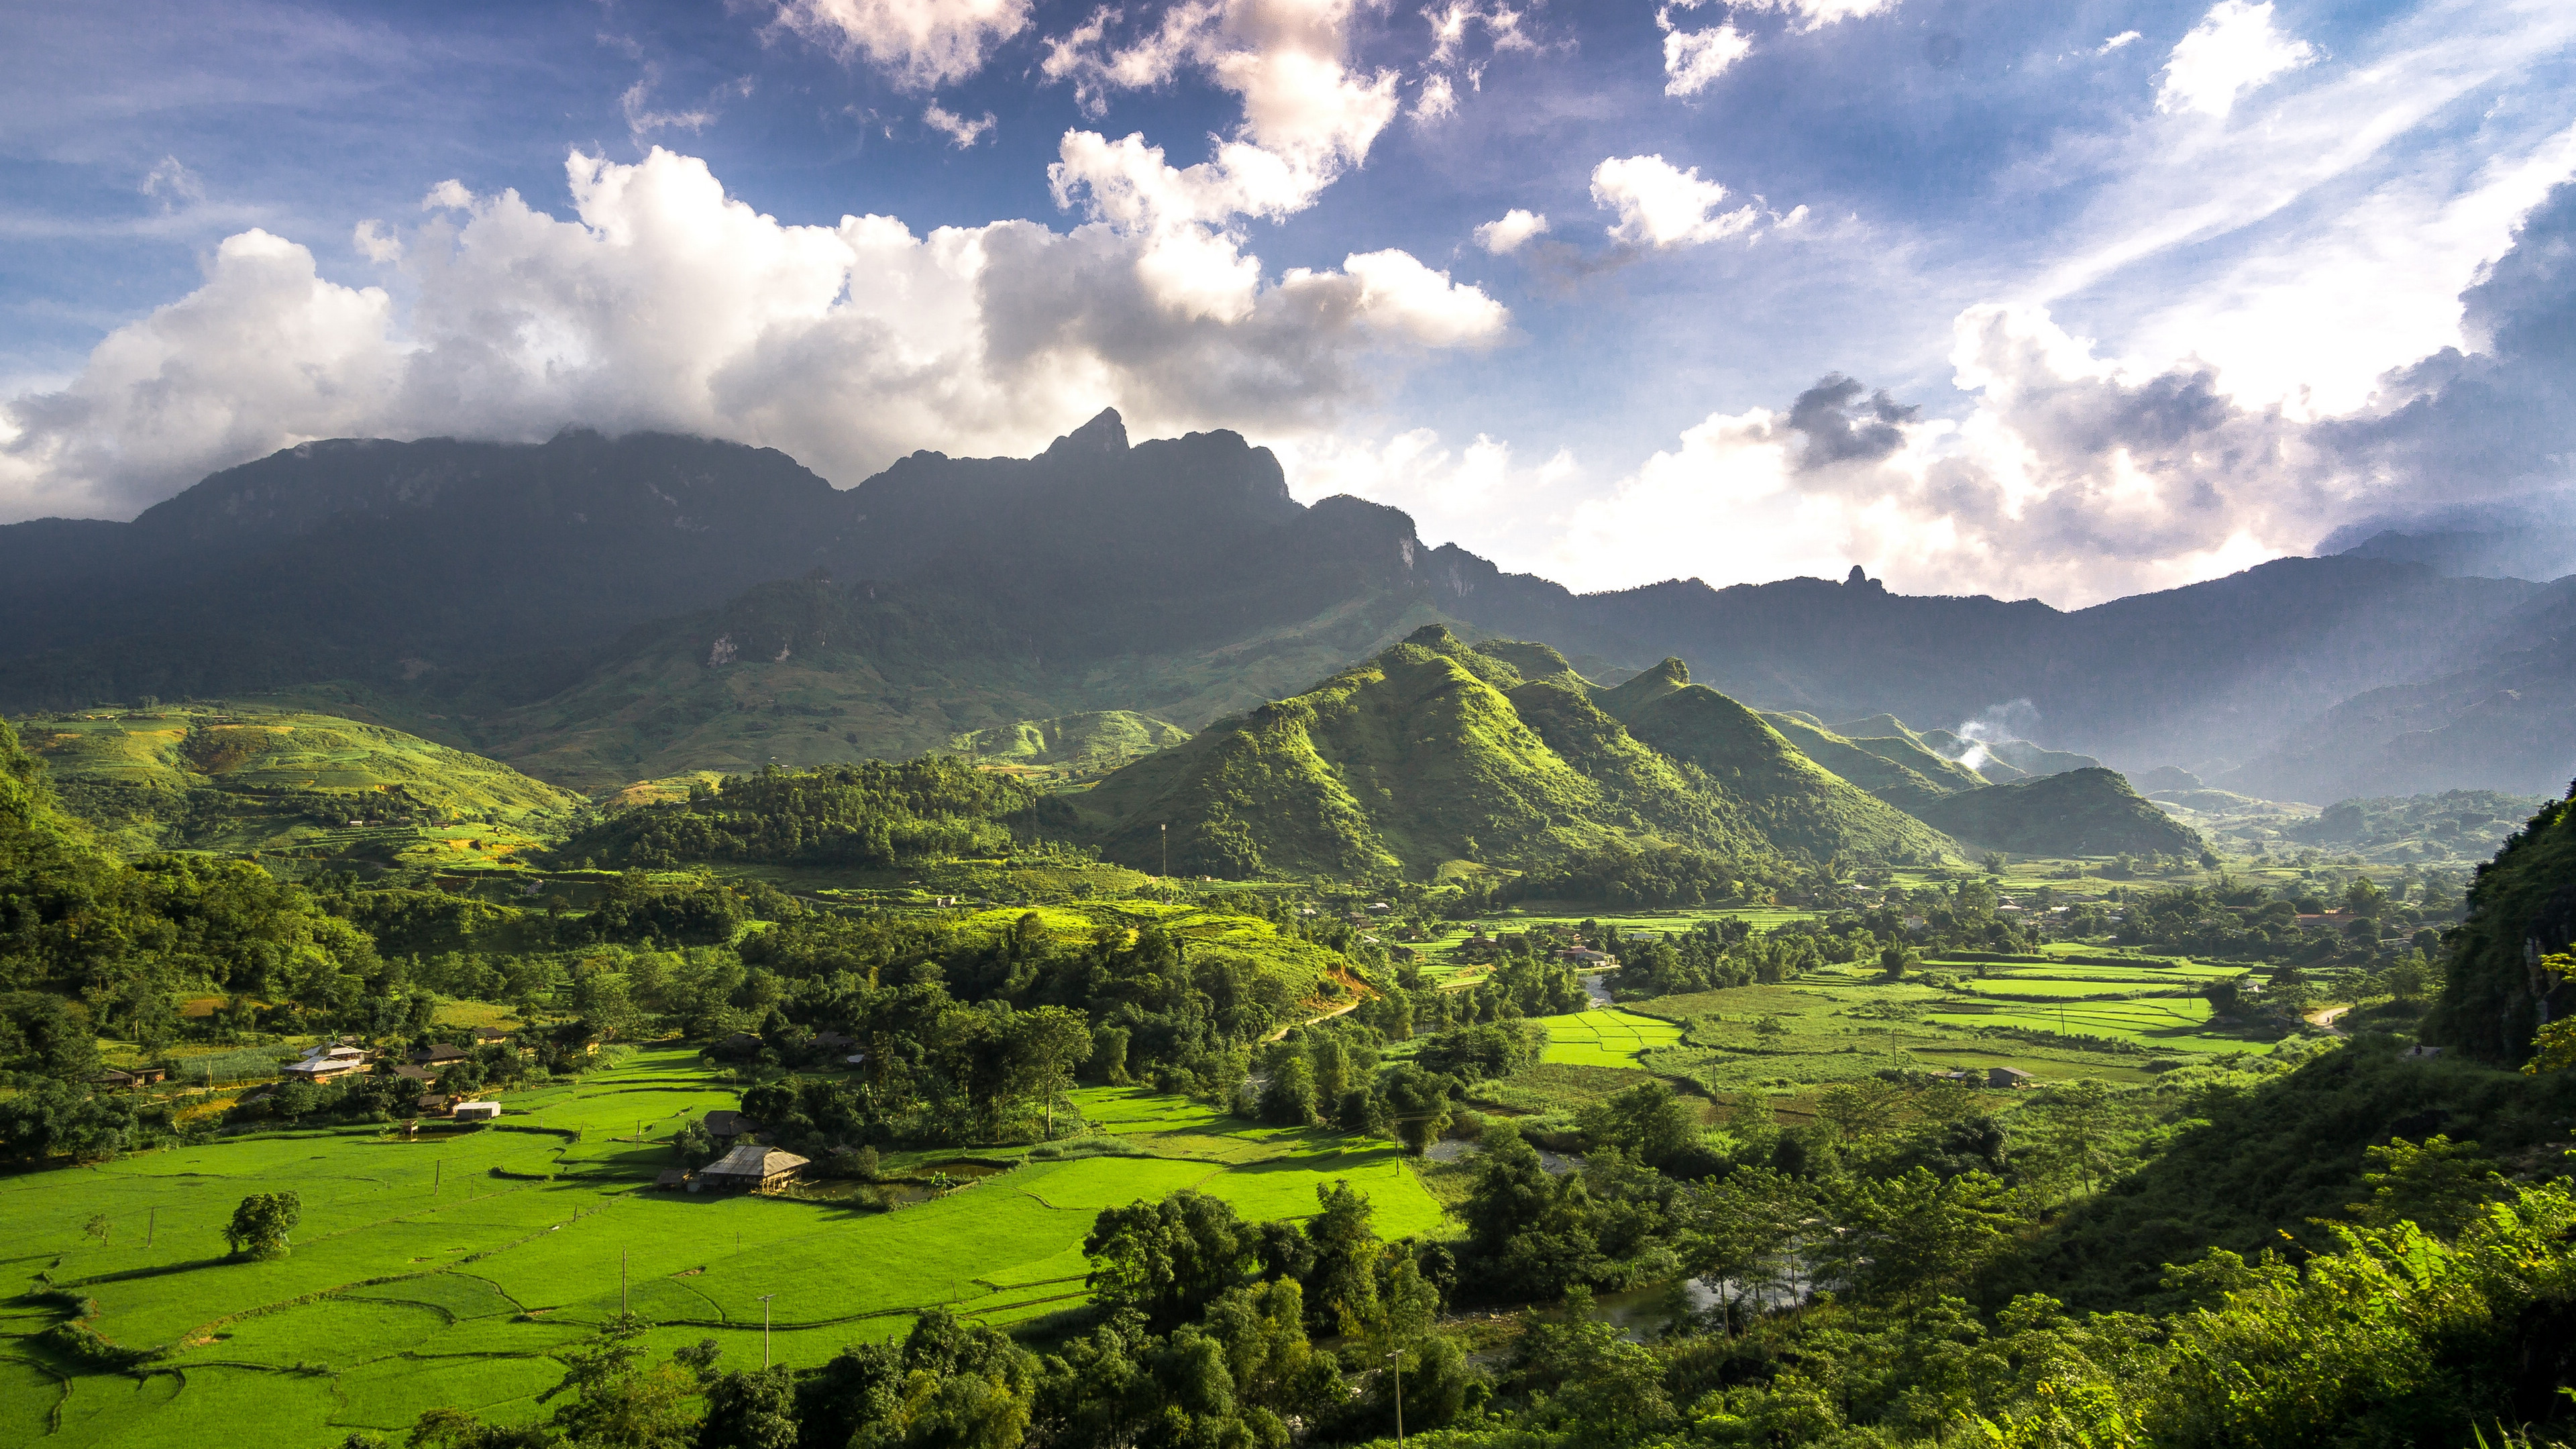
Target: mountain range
column 596, row 610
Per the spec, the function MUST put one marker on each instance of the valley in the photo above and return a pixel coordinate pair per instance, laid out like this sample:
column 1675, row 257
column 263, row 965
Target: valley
column 1149, row 933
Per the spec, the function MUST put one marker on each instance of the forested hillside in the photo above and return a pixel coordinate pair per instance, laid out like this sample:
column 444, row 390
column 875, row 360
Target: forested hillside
column 597, row 611
column 2509, row 970
column 1435, row 751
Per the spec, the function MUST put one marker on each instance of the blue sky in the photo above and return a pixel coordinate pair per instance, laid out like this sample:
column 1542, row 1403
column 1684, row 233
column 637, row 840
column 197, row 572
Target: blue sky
column 2132, row 293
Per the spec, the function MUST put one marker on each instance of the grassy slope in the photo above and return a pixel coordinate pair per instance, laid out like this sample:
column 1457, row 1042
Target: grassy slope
column 174, row 777
column 802, row 689
column 1102, row 740
column 1792, row 800
column 2080, row 812
column 1887, row 737
column 1417, row 757
column 1899, row 785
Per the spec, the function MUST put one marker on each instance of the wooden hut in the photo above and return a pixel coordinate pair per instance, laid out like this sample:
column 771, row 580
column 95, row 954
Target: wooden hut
column 752, row 1168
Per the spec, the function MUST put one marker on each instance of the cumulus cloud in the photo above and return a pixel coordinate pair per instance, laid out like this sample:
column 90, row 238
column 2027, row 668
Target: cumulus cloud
column 2234, row 49
column 1505, row 234
column 662, row 303
column 1695, row 58
column 921, row 43
column 1807, row 15
column 2069, row 480
column 961, row 132
column 1307, row 117
column 1660, row 205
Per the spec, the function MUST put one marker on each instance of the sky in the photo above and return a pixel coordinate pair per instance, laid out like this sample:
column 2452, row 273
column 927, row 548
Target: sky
column 2064, row 301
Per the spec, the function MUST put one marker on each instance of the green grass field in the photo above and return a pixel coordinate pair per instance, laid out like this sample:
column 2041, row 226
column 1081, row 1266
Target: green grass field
column 421, row 1276
column 1604, row 1037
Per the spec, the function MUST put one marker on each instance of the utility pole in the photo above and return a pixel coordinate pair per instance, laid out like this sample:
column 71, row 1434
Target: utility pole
column 151, row 1221
column 1395, row 1361
column 764, row 1328
column 1166, row 831
column 437, row 1170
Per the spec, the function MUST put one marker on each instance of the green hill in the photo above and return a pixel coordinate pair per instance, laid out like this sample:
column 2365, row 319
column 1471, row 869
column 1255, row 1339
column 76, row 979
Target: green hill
column 2495, row 992
column 200, row 778
column 1796, row 802
column 1897, row 784
column 2079, row 812
column 1079, row 744
column 1429, row 752
column 1887, row 737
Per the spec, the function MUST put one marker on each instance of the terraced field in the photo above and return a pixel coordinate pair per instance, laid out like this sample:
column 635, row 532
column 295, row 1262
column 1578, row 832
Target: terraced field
column 448, row 1270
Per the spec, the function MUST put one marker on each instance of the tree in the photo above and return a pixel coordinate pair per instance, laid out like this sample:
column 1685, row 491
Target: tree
column 1992, row 862
column 1738, row 1231
column 1289, row 1097
column 262, row 1222
column 1896, row 958
column 623, row 1399
column 1917, row 1231
column 750, row 1409
column 1344, row 1275
column 1167, row 1260
column 1047, row 1044
column 2435, row 1186
column 456, row 1429
column 2075, row 1122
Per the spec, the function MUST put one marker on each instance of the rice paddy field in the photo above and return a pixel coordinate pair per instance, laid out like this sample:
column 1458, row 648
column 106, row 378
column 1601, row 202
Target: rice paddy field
column 448, row 1270
column 1604, row 1037
column 2115, row 1019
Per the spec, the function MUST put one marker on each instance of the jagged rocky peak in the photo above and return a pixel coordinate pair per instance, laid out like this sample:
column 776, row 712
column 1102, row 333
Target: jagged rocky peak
column 1106, row 433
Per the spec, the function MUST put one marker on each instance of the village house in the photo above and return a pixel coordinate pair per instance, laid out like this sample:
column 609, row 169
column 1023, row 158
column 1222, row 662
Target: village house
column 476, row 1111
column 751, row 1168
column 725, row 1125
column 438, row 1055
column 323, row 1063
column 139, row 1077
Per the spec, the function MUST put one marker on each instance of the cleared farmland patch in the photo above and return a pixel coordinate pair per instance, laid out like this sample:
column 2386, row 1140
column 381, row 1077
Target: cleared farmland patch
column 419, row 1279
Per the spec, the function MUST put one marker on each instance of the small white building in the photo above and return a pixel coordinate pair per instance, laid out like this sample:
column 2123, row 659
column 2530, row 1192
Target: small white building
column 476, row 1111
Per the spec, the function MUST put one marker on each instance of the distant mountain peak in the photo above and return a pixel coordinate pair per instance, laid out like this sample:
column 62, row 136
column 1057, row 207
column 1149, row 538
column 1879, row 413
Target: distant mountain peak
column 1106, row 433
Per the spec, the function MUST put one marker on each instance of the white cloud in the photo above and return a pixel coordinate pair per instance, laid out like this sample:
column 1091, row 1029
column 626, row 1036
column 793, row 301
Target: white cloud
column 2234, row 49
column 2070, row 480
column 922, row 43
column 1436, row 100
column 961, row 132
column 375, row 242
column 1816, row 14
column 172, row 184
column 665, row 304
column 642, row 120
column 1476, row 494
column 1505, row 234
column 1661, row 206
column 2125, row 37
column 1695, row 58
column 2279, row 323
column 1307, row 118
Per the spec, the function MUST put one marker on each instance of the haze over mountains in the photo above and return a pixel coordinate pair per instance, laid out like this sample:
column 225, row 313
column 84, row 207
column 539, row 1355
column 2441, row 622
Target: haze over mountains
column 599, row 610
